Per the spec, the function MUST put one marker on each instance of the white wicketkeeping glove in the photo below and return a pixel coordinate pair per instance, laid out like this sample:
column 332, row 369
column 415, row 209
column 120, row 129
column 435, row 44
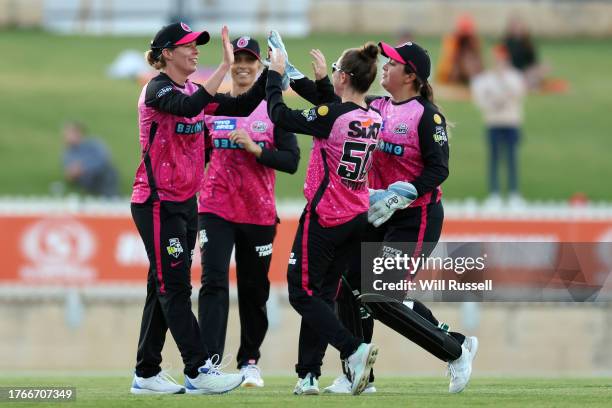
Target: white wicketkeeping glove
column 398, row 196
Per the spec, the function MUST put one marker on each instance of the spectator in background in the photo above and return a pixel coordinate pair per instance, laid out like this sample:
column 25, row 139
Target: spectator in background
column 499, row 94
column 523, row 54
column 461, row 57
column 87, row 162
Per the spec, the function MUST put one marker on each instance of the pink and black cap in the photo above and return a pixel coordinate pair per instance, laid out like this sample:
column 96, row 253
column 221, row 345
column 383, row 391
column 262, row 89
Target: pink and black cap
column 176, row 34
column 246, row 44
column 410, row 54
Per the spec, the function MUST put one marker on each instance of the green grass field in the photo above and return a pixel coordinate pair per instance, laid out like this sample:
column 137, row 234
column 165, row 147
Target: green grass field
column 392, row 392
column 47, row 79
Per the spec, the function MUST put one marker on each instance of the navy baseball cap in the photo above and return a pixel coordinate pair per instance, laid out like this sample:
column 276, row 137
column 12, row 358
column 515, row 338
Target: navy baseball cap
column 410, row 54
column 246, row 44
column 177, row 34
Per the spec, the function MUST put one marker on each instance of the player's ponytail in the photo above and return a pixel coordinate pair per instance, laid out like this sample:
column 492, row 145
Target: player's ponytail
column 361, row 66
column 157, row 63
column 426, row 91
column 423, row 87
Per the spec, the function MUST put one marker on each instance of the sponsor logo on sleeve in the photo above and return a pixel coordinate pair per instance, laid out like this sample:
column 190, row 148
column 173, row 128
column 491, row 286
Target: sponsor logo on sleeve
column 259, row 126
column 174, row 248
column 163, row 91
column 309, row 114
column 440, row 136
column 323, row 110
column 224, row 124
column 437, row 118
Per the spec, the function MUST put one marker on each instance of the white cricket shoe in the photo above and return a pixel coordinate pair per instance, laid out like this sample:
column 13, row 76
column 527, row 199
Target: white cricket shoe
column 309, row 385
column 252, row 376
column 211, row 380
column 460, row 369
column 359, row 364
column 162, row 383
column 342, row 385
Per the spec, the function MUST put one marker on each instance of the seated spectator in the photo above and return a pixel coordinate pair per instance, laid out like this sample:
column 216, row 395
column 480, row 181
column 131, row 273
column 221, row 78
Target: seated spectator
column 87, row 162
column 461, row 57
column 499, row 94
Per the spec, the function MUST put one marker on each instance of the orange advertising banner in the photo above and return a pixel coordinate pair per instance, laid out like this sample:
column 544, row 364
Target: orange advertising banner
column 86, row 250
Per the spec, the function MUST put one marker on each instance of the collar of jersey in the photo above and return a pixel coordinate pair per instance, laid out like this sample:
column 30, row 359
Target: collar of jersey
column 170, row 79
column 405, row 101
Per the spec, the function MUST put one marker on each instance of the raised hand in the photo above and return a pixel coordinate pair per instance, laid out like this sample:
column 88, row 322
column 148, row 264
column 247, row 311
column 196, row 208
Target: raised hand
column 228, row 48
column 319, row 64
column 277, row 61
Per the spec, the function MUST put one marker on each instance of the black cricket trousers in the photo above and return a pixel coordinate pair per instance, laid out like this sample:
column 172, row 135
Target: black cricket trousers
column 168, row 230
column 253, row 255
column 318, row 258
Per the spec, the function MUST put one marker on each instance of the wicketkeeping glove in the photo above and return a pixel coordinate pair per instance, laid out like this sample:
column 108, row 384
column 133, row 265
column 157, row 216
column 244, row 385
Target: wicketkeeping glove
column 275, row 41
column 375, row 195
column 398, row 195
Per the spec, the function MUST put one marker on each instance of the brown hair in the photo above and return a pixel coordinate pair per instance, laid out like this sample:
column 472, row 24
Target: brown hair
column 422, row 86
column 157, row 63
column 361, row 66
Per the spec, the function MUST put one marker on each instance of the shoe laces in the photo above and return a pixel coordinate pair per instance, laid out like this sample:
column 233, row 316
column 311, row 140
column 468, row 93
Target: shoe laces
column 164, row 376
column 451, row 371
column 341, row 379
column 217, row 364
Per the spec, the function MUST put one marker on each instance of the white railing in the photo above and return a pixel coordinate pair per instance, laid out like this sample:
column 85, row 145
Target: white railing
column 469, row 208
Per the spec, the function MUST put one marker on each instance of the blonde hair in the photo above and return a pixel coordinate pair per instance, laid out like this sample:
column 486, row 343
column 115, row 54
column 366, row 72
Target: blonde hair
column 155, row 63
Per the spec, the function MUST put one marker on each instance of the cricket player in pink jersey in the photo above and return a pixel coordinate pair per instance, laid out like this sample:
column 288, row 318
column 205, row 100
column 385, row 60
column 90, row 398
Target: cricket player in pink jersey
column 164, row 207
column 237, row 207
column 331, row 226
column 410, row 164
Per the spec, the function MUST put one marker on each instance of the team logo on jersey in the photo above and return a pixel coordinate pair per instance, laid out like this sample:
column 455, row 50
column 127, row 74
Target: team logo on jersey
column 322, row 110
column 259, row 126
column 440, row 136
column 185, row 27
column 401, row 129
column 309, row 114
column 390, row 148
column 224, row 124
column 174, row 248
column 163, row 91
column 243, row 41
column 292, row 259
column 189, row 128
column 264, row 250
column 437, row 118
